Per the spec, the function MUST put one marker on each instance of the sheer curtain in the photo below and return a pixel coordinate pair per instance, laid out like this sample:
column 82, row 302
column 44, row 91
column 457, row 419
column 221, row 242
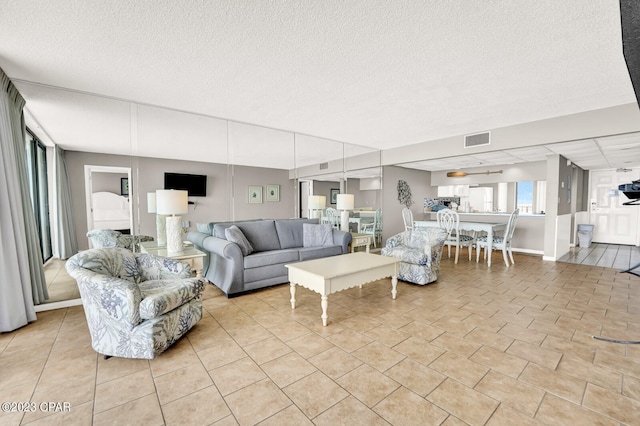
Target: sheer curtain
column 22, row 281
column 66, row 241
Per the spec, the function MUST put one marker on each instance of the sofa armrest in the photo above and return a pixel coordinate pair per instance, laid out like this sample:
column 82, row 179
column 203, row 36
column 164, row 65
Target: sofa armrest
column 161, row 268
column 162, row 296
column 342, row 239
column 226, row 264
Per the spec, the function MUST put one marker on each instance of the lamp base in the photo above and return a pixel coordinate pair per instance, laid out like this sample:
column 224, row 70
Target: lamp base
column 161, row 230
column 174, row 235
column 344, row 220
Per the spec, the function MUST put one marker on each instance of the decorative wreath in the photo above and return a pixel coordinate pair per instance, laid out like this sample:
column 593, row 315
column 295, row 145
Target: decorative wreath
column 404, row 194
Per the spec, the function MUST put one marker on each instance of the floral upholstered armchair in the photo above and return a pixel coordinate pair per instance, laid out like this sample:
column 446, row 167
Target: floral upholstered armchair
column 137, row 305
column 420, row 251
column 105, row 238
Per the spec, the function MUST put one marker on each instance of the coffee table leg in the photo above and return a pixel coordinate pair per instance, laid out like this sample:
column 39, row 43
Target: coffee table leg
column 324, row 303
column 394, row 285
column 292, row 289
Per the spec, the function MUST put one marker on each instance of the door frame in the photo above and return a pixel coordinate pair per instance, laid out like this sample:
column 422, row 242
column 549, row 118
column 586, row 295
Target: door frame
column 88, row 170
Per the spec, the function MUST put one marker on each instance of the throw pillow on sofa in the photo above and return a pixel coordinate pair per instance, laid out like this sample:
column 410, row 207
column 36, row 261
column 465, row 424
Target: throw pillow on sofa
column 316, row 235
column 235, row 235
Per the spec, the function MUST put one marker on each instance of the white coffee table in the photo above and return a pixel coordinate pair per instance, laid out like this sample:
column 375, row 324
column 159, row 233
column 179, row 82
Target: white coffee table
column 189, row 254
column 335, row 273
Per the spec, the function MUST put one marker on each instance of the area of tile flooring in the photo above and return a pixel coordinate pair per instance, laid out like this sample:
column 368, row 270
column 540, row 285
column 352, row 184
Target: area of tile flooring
column 608, row 255
column 59, row 284
column 482, row 346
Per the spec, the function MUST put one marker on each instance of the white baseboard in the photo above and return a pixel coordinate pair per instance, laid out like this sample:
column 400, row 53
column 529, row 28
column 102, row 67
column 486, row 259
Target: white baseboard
column 549, row 258
column 528, row 251
column 57, row 305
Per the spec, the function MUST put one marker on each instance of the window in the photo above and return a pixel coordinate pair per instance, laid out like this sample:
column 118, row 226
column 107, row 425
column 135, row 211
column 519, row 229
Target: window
column 38, row 188
column 531, row 196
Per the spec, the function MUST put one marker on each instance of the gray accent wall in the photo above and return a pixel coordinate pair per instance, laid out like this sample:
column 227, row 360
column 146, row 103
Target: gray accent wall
column 227, row 189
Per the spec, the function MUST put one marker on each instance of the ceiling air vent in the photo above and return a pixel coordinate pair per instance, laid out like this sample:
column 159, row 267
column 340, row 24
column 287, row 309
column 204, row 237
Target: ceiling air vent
column 324, row 166
column 477, row 139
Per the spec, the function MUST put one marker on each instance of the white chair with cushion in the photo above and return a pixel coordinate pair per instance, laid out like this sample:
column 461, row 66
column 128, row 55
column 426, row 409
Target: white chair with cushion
column 450, row 220
column 137, row 305
column 332, row 217
column 407, row 218
column 374, row 228
column 501, row 243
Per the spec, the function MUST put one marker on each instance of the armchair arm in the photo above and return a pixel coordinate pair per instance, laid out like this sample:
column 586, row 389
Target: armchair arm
column 161, row 268
column 162, row 296
column 107, row 296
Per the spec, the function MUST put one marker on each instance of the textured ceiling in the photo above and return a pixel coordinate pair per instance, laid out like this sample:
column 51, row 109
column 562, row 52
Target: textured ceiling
column 377, row 73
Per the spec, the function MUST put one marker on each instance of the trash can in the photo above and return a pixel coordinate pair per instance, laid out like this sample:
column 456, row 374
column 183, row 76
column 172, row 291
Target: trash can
column 585, row 235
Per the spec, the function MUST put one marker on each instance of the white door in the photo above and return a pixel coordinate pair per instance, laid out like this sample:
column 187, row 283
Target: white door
column 614, row 222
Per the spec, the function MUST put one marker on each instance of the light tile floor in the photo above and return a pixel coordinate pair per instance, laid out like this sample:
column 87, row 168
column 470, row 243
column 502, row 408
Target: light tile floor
column 482, row 346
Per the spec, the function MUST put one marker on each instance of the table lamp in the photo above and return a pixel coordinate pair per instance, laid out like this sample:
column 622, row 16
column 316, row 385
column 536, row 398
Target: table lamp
column 172, row 203
column 345, row 202
column 316, row 202
column 161, row 224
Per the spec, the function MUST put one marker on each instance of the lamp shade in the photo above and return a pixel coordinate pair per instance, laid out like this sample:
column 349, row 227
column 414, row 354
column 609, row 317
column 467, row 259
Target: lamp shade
column 151, row 202
column 345, row 202
column 317, row 202
column 172, row 202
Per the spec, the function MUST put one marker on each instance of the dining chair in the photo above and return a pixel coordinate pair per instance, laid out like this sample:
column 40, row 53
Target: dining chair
column 333, row 217
column 407, row 217
column 450, row 220
column 502, row 243
column 374, row 228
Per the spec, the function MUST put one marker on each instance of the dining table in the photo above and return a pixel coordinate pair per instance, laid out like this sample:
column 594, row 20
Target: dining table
column 489, row 227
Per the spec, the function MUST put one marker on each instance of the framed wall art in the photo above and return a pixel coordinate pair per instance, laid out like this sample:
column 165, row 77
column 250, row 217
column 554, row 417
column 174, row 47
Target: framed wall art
column 333, row 195
column 255, row 194
column 273, row 193
column 124, row 186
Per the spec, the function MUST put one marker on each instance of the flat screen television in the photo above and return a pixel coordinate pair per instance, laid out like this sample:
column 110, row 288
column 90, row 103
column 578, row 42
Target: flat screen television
column 195, row 185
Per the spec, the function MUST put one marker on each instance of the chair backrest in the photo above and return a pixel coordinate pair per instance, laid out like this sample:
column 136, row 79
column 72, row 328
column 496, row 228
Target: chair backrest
column 377, row 219
column 407, row 217
column 332, row 216
column 511, row 226
column 449, row 220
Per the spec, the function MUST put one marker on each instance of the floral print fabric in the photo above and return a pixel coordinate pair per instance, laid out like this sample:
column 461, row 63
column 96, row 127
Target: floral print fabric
column 114, row 284
column 420, row 251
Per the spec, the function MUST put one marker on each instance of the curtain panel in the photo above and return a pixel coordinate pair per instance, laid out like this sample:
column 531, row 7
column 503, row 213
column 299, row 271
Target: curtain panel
column 66, row 241
column 22, row 283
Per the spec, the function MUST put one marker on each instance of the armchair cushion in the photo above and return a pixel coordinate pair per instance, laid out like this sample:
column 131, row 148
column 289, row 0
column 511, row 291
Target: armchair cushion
column 162, row 296
column 161, row 268
column 409, row 255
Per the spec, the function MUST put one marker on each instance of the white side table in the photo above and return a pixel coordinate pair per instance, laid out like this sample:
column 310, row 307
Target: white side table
column 189, row 254
column 360, row 240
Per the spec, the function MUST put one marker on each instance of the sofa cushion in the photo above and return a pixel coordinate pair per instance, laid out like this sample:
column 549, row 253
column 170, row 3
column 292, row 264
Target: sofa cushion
column 206, row 228
column 290, row 232
column 316, row 235
column 261, row 233
column 235, row 235
column 309, row 253
column 273, row 257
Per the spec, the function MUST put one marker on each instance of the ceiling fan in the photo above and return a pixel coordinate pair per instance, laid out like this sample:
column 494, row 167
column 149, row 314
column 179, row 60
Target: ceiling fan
column 463, row 174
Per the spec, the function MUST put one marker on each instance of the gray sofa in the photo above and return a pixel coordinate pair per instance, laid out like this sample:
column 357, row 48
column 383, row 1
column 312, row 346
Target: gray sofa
column 275, row 243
